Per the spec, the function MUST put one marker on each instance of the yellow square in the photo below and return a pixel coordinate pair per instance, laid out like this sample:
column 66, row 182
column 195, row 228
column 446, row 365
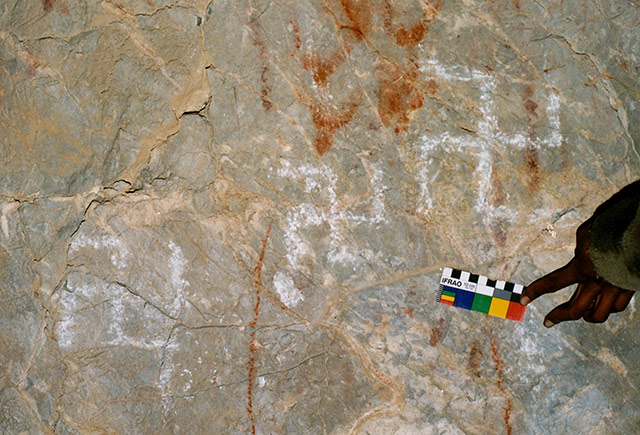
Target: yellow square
column 448, row 298
column 499, row 308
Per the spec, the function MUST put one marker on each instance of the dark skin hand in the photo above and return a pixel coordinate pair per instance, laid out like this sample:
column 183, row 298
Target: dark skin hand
column 594, row 299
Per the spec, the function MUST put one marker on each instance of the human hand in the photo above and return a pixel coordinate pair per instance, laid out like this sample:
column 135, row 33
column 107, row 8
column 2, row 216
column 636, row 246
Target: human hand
column 594, row 299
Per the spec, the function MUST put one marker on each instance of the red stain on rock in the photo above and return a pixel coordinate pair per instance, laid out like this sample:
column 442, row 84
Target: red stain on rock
column 499, row 368
column 475, row 357
column 322, row 69
column 398, row 95
column 533, row 168
column 359, row 14
column 48, row 5
column 529, row 105
column 410, row 36
column 437, row 332
column 265, row 89
column 409, row 312
column 531, row 152
column 431, row 87
column 327, row 122
column 296, row 35
column 63, row 7
column 253, row 345
column 496, row 199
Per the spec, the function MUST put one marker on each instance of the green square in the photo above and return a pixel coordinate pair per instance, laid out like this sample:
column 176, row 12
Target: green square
column 449, row 293
column 481, row 303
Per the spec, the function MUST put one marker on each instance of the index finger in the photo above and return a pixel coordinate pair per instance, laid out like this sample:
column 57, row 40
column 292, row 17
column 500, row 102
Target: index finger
column 554, row 281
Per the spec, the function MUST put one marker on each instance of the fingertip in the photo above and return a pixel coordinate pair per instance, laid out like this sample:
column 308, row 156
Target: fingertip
column 524, row 300
column 548, row 323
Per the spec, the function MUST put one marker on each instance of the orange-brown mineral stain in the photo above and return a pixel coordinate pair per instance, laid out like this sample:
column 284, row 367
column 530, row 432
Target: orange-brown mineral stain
column 251, row 364
column 398, row 95
column 327, row 121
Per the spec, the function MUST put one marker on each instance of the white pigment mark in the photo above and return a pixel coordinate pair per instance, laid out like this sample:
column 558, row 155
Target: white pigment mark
column 323, row 181
column 486, row 138
column 177, row 262
column 118, row 248
column 289, row 294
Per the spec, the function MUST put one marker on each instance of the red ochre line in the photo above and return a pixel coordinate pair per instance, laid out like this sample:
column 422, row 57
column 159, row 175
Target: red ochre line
column 251, row 365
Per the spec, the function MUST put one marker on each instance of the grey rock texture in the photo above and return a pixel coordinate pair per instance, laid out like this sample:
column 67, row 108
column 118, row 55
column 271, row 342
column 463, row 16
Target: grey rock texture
column 230, row 216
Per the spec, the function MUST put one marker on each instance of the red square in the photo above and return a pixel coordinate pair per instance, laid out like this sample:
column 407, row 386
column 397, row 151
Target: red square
column 450, row 303
column 516, row 311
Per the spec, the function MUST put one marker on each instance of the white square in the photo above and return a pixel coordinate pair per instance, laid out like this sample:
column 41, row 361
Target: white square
column 518, row 288
column 482, row 280
column 446, row 272
column 484, row 290
column 500, row 285
column 464, row 276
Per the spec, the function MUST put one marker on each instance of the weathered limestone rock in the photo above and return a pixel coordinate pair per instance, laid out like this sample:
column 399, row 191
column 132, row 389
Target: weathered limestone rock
column 230, row 216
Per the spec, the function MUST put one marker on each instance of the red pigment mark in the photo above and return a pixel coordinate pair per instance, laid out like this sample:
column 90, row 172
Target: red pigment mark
column 265, row 89
column 475, row 357
column 516, row 3
column 322, row 69
column 431, row 87
column 623, row 65
column 251, row 365
column 398, row 96
column 410, row 36
column 409, row 312
column 48, row 5
column 529, row 105
column 33, row 64
column 531, row 154
column 359, row 14
column 497, row 199
column 296, row 35
column 438, row 332
column 327, row 123
column 63, row 7
column 500, row 382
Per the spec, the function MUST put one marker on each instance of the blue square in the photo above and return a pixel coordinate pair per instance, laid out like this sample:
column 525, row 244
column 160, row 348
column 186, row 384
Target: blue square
column 464, row 299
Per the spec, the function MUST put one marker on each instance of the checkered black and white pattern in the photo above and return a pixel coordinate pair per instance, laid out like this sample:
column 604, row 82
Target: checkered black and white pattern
column 494, row 288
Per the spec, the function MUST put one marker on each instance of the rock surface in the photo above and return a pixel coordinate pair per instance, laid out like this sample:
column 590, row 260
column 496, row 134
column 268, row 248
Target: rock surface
column 230, row 216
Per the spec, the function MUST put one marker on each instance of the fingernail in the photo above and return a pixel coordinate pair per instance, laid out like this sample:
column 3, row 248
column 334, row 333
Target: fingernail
column 548, row 323
column 524, row 300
